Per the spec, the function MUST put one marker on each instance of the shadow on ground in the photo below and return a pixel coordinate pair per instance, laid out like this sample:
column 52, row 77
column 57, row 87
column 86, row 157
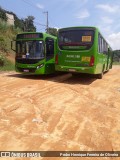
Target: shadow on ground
column 61, row 77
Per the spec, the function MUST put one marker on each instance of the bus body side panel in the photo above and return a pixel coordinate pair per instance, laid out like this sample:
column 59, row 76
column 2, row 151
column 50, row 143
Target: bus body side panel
column 100, row 58
column 50, row 67
column 101, row 63
column 50, row 63
column 104, row 60
column 110, row 60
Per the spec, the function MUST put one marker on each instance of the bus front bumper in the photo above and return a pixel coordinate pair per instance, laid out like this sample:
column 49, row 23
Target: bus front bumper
column 22, row 68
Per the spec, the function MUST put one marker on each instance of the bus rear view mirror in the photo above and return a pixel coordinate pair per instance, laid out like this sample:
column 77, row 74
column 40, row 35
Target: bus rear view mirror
column 13, row 45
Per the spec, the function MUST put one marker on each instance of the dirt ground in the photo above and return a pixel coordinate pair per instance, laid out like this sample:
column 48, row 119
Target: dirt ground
column 60, row 112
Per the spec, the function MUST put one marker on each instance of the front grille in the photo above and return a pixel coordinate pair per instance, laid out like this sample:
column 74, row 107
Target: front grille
column 31, row 70
column 27, row 61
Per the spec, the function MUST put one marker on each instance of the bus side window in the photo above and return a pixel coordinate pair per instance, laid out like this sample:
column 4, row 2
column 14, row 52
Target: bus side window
column 105, row 47
column 49, row 48
column 100, row 44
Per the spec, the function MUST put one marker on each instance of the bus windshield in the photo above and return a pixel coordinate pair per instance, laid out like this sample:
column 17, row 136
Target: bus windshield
column 75, row 39
column 30, row 49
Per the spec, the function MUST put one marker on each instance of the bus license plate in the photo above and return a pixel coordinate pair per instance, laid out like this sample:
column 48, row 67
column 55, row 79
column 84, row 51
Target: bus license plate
column 72, row 70
column 26, row 70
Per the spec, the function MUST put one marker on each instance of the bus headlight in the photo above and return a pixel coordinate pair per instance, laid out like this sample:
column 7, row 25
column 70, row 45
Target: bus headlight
column 40, row 65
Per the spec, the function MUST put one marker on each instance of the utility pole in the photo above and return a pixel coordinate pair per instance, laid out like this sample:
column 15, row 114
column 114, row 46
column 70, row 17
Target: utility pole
column 47, row 27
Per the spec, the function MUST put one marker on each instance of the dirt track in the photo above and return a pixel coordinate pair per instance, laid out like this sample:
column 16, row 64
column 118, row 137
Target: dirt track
column 60, row 112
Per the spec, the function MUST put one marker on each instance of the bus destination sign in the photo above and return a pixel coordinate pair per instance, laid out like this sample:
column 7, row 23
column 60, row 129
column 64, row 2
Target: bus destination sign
column 30, row 36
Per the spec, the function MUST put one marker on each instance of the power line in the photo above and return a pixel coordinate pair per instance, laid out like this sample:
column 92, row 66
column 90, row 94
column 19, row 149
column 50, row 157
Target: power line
column 52, row 21
column 31, row 4
column 47, row 23
column 28, row 3
column 41, row 29
column 39, row 23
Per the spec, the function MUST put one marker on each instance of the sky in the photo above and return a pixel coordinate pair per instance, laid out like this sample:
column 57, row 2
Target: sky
column 104, row 14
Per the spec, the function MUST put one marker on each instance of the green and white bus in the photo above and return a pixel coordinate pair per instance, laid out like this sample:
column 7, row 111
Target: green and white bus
column 83, row 50
column 35, row 53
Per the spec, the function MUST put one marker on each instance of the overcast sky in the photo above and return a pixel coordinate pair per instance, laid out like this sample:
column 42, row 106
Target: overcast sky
column 104, row 14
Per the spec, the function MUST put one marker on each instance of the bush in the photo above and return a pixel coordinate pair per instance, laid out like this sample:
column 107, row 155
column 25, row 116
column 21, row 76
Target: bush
column 2, row 60
column 3, row 45
column 5, row 64
column 3, row 26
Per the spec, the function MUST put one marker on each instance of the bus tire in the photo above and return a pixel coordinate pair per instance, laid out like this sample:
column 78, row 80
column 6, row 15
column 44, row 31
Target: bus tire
column 110, row 67
column 74, row 74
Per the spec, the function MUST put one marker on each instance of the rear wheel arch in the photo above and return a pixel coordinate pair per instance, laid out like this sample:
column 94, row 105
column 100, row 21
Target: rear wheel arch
column 100, row 75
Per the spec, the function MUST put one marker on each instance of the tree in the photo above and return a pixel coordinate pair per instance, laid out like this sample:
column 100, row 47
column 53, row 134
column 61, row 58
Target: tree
column 26, row 24
column 3, row 14
column 29, row 24
column 116, row 56
column 53, row 31
column 19, row 23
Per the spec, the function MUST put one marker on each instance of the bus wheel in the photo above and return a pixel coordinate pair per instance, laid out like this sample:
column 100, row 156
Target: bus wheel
column 100, row 76
column 110, row 67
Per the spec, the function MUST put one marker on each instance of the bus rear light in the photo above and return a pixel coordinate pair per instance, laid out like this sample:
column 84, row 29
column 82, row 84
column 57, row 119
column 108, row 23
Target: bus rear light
column 56, row 59
column 92, row 59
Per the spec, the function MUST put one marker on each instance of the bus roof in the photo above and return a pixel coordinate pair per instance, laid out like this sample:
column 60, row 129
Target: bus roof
column 44, row 34
column 74, row 27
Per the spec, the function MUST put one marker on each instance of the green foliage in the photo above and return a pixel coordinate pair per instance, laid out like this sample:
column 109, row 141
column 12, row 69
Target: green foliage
column 19, row 23
column 116, row 57
column 7, row 34
column 53, row 31
column 3, row 25
column 3, row 45
column 116, row 63
column 26, row 24
column 2, row 59
column 2, row 14
column 29, row 24
column 5, row 64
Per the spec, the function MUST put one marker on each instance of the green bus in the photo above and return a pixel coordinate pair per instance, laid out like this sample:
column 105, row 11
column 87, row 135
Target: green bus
column 35, row 53
column 83, row 50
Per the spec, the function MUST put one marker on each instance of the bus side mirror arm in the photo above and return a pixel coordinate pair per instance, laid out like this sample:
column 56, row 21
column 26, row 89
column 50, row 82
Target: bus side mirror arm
column 12, row 46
